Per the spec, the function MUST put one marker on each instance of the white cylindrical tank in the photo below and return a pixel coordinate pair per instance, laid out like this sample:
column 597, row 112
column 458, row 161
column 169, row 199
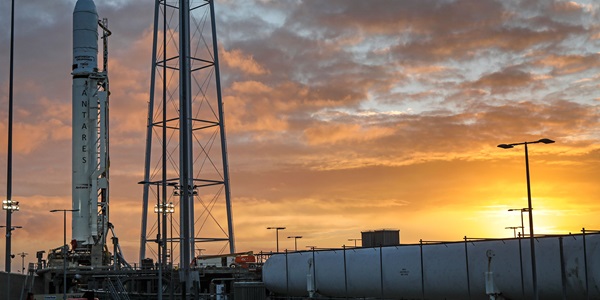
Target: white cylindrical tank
column 85, row 54
column 442, row 270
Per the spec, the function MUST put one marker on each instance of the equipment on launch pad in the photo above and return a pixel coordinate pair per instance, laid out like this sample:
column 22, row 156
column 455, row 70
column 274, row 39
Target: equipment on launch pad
column 88, row 266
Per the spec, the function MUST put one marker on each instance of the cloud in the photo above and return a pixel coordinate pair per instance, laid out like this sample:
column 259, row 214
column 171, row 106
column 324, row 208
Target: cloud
column 504, row 81
column 236, row 59
column 334, row 133
column 570, row 64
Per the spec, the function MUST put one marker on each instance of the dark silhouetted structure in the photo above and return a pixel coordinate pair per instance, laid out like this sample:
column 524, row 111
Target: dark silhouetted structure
column 382, row 237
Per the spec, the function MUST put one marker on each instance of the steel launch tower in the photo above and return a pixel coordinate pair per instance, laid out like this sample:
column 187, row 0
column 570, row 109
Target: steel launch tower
column 186, row 196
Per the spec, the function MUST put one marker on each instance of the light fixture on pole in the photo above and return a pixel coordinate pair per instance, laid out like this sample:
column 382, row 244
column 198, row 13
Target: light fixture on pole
column 295, row 237
column 170, row 209
column 514, row 228
column 23, row 254
column 354, row 241
column 158, row 208
column 166, row 209
column 10, row 206
column 277, row 235
column 65, row 247
column 9, row 256
column 529, row 208
column 163, row 209
column 522, row 210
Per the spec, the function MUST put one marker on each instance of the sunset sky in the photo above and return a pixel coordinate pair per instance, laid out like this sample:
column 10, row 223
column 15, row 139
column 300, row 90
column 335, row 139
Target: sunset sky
column 342, row 116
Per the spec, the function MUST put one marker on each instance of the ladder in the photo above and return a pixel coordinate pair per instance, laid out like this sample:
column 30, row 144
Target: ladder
column 117, row 291
column 29, row 281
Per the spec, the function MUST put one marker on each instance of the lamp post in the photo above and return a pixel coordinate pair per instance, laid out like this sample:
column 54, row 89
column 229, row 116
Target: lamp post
column 295, row 237
column 354, row 241
column 531, row 236
column 23, row 254
column 10, row 206
column 164, row 209
column 9, row 151
column 158, row 209
column 10, row 256
column 170, row 211
column 514, row 228
column 277, row 235
column 65, row 247
column 522, row 225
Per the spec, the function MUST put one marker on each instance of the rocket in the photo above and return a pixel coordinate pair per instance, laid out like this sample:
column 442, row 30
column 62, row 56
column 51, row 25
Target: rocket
column 89, row 132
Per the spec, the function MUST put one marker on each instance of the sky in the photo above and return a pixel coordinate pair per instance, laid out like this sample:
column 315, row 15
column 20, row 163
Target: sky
column 341, row 116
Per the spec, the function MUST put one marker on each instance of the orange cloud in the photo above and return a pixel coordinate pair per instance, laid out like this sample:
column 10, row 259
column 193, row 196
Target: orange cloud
column 326, row 133
column 236, row 59
column 250, row 87
column 570, row 64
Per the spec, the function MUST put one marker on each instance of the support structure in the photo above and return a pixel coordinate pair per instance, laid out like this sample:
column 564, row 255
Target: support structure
column 186, row 151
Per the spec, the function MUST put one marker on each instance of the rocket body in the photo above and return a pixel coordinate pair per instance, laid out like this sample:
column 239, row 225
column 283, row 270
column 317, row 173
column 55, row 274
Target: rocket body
column 85, row 38
column 85, row 116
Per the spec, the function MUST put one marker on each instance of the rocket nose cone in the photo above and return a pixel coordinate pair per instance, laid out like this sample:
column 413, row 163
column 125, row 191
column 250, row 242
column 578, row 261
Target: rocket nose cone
column 85, row 6
column 85, row 37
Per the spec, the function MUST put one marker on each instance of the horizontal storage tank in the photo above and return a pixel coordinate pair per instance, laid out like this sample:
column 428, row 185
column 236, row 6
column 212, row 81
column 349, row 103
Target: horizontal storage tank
column 453, row 270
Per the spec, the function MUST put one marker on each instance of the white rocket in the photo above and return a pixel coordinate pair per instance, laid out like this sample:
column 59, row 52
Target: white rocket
column 90, row 138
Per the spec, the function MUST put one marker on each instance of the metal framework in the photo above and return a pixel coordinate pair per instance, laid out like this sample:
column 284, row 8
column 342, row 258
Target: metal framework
column 186, row 151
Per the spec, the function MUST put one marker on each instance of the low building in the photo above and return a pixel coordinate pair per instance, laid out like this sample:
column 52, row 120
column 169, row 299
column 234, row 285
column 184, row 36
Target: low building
column 382, row 237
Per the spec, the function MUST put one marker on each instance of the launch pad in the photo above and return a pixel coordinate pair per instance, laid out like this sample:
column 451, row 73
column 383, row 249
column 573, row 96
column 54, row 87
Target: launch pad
column 140, row 282
column 84, row 266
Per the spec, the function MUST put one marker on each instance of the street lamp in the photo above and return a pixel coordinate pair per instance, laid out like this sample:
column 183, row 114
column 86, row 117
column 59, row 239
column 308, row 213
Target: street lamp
column 522, row 225
column 10, row 206
column 295, row 237
column 170, row 209
column 514, row 228
column 65, row 247
column 354, row 241
column 164, row 209
column 277, row 235
column 9, row 159
column 531, row 237
column 23, row 254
